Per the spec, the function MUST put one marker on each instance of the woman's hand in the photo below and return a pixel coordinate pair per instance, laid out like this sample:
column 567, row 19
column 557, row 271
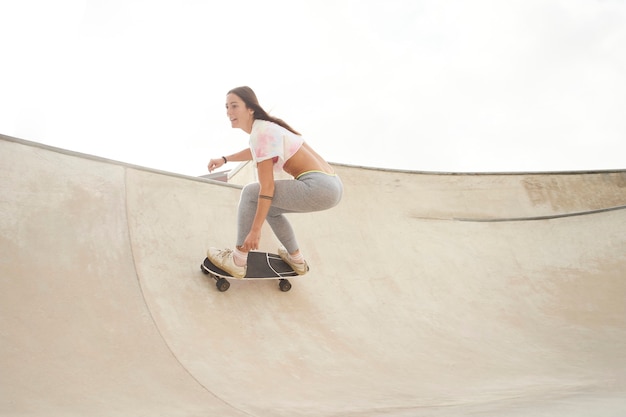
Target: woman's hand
column 243, row 155
column 252, row 241
column 215, row 163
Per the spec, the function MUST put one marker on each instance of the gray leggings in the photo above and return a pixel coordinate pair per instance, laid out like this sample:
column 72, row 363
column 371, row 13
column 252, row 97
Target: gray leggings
column 313, row 191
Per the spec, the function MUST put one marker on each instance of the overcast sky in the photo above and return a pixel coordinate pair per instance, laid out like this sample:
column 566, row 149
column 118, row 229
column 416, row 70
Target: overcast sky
column 432, row 85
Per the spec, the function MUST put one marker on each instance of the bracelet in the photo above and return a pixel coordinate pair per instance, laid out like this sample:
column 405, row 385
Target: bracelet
column 224, row 158
column 266, row 197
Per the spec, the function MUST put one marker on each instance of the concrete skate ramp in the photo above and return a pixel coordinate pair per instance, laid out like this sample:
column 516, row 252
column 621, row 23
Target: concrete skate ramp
column 429, row 295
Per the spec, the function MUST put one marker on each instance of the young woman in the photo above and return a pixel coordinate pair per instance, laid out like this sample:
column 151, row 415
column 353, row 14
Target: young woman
column 274, row 146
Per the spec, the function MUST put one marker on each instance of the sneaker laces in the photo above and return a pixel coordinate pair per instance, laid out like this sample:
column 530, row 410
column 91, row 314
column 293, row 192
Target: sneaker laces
column 223, row 254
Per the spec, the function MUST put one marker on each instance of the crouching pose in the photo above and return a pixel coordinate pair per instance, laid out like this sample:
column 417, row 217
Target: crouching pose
column 274, row 146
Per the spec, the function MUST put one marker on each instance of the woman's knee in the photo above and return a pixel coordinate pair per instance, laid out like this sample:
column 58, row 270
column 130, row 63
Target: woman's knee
column 250, row 192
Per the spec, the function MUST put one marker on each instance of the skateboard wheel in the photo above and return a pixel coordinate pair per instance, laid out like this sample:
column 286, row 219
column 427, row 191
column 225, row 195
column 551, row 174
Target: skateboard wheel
column 222, row 284
column 284, row 285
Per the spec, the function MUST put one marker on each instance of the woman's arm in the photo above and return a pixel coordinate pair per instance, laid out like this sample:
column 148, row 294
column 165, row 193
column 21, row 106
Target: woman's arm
column 265, row 171
column 244, row 155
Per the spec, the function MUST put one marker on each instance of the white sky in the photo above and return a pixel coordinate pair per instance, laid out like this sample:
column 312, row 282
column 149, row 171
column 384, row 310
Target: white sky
column 432, row 85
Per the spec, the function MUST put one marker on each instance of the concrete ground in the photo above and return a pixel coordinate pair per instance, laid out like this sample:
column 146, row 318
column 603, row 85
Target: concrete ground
column 429, row 295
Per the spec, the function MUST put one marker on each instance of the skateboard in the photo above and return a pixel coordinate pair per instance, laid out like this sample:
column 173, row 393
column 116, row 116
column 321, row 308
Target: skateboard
column 261, row 265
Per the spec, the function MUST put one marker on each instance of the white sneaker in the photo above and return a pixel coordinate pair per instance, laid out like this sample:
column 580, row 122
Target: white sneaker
column 300, row 269
column 223, row 259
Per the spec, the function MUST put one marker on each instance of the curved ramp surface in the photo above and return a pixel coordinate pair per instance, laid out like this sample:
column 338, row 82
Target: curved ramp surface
column 429, row 295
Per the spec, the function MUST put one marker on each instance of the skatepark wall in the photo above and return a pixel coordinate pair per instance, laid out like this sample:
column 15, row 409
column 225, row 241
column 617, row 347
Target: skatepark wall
column 484, row 196
column 430, row 294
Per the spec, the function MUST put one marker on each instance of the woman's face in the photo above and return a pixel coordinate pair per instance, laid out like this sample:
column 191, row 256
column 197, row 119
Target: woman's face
column 239, row 115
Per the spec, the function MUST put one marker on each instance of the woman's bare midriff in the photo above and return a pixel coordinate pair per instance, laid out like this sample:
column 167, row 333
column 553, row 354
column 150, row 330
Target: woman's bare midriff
column 305, row 160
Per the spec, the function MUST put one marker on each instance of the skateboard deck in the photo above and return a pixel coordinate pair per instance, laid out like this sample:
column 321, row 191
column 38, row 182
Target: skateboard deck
column 261, row 265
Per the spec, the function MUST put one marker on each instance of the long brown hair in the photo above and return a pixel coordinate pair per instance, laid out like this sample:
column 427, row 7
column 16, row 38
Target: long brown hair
column 247, row 95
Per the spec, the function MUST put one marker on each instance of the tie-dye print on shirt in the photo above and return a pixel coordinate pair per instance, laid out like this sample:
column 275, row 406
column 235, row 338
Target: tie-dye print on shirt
column 271, row 141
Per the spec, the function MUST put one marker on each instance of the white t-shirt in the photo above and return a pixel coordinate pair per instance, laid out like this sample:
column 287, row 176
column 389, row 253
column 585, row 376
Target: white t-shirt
column 271, row 141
